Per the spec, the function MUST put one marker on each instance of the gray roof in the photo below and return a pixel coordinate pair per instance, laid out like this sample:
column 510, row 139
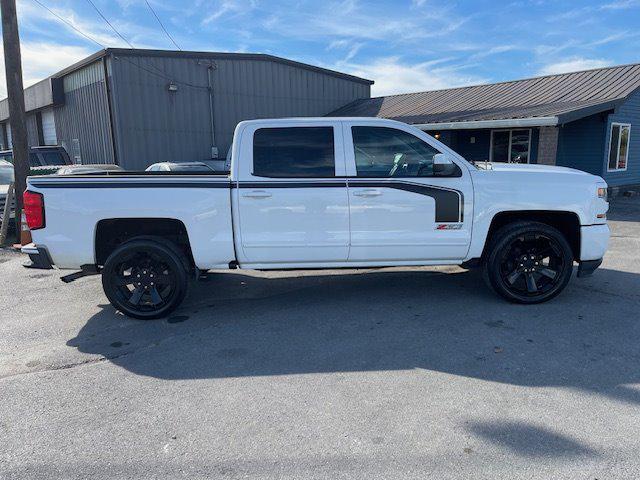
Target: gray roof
column 567, row 96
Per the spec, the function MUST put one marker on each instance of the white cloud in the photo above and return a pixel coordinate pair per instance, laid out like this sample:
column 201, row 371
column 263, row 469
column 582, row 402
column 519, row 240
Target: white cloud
column 40, row 59
column 369, row 21
column 574, row 64
column 495, row 51
column 36, row 19
column 229, row 7
column 621, row 5
column 392, row 76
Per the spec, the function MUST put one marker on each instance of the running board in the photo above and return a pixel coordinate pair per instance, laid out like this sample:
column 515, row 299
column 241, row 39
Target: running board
column 87, row 271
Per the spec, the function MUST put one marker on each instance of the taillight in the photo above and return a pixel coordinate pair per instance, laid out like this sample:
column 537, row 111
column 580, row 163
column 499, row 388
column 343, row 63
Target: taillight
column 34, row 209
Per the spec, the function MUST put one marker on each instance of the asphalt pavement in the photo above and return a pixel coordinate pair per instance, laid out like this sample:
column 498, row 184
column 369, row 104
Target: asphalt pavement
column 361, row 374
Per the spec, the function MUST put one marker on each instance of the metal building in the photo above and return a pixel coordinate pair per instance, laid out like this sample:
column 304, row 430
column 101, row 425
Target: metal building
column 136, row 107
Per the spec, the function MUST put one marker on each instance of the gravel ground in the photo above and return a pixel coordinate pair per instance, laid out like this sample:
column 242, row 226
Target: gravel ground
column 390, row 373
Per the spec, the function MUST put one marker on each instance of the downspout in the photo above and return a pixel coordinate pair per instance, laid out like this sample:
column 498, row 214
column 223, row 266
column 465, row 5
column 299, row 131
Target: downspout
column 214, row 148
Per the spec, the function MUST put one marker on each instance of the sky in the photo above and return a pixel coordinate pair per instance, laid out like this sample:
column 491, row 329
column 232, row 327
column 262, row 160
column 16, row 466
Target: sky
column 404, row 45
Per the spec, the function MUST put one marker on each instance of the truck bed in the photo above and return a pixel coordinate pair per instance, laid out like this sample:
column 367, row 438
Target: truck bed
column 76, row 204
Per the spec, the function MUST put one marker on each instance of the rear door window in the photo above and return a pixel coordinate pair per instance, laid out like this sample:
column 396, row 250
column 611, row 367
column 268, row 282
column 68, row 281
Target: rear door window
column 52, row 158
column 294, row 152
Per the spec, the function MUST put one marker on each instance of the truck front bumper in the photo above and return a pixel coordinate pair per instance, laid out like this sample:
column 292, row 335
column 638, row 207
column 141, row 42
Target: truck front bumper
column 587, row 267
column 594, row 240
column 39, row 257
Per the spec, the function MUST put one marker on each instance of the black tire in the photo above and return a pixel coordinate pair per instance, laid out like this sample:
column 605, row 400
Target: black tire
column 528, row 262
column 146, row 278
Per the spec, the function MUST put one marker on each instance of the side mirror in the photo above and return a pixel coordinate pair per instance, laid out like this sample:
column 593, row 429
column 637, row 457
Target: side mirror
column 443, row 166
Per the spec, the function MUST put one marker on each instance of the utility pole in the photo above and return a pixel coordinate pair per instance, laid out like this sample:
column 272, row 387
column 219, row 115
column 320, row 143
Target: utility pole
column 15, row 92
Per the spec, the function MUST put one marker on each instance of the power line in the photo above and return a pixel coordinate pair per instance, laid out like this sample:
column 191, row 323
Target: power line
column 69, row 24
column 161, row 75
column 161, row 25
column 109, row 23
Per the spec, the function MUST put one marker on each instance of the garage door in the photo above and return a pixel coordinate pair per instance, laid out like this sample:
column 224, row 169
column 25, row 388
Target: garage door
column 49, row 128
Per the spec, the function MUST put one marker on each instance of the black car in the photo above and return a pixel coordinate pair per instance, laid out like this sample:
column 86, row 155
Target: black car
column 42, row 158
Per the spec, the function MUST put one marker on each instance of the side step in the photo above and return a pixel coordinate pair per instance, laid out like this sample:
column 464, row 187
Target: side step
column 87, row 271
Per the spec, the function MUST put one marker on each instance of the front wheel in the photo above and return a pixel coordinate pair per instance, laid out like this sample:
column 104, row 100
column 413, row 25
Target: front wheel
column 528, row 262
column 145, row 278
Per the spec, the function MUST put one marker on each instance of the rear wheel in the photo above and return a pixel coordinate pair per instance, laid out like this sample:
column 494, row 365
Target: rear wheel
column 528, row 262
column 145, row 278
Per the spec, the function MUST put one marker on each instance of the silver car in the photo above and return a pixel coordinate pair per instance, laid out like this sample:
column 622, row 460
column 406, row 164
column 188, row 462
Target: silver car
column 6, row 178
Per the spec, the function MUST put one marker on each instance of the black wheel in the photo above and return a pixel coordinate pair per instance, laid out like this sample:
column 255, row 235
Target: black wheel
column 528, row 262
column 145, row 278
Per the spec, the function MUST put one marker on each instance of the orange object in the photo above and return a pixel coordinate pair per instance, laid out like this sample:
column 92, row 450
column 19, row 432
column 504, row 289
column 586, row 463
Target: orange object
column 25, row 233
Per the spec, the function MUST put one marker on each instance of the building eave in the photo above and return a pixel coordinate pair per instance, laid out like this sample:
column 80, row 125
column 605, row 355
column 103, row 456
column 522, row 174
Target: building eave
column 486, row 124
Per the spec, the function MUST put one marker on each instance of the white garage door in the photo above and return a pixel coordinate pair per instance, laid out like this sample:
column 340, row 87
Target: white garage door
column 49, row 128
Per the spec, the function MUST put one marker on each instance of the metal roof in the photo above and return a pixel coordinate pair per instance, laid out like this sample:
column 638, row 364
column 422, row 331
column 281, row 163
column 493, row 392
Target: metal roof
column 567, row 97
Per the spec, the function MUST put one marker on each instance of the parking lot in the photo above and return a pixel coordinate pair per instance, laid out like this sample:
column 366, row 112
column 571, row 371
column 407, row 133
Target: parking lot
column 386, row 373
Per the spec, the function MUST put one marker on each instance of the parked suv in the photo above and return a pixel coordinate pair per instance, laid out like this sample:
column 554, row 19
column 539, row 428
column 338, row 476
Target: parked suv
column 42, row 159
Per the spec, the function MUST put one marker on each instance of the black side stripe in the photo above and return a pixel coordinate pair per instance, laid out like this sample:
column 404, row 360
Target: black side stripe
column 449, row 202
column 131, row 184
column 307, row 184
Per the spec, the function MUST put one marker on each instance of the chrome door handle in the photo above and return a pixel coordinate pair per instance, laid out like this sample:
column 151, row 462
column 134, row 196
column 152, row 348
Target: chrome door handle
column 370, row 192
column 257, row 194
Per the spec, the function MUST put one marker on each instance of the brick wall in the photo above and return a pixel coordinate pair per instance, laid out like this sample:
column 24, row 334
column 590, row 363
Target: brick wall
column 548, row 145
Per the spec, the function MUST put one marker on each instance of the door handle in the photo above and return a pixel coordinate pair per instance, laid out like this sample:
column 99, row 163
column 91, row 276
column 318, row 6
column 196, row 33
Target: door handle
column 369, row 192
column 257, row 194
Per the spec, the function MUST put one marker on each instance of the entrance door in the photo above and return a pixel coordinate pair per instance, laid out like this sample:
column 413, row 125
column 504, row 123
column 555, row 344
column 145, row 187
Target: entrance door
column 292, row 207
column 404, row 206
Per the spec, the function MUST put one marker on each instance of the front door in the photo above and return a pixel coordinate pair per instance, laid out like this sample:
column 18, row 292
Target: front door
column 402, row 209
column 292, row 208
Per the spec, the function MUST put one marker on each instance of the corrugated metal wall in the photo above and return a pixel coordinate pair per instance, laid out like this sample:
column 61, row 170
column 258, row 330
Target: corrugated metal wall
column 32, row 130
column 83, row 120
column 153, row 124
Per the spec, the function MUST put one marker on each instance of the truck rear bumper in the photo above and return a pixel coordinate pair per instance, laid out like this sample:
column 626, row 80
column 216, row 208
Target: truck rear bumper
column 594, row 240
column 39, row 257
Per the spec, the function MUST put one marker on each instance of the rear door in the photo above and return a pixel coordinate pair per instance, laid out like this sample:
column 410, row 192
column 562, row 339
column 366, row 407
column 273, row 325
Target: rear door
column 291, row 194
column 401, row 210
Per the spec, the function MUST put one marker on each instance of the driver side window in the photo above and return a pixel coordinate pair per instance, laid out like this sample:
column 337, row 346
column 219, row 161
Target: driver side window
column 388, row 152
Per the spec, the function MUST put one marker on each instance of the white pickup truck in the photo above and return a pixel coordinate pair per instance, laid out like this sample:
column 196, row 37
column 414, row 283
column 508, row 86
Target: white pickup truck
column 320, row 193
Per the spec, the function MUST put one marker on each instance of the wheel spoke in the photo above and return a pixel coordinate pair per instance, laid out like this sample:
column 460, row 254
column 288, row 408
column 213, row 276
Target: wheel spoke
column 513, row 276
column 123, row 280
column 547, row 272
column 155, row 296
column 532, row 287
column 137, row 295
column 164, row 279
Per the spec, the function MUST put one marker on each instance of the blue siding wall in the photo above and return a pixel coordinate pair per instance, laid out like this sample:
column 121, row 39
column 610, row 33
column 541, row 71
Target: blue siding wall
column 628, row 112
column 478, row 151
column 581, row 144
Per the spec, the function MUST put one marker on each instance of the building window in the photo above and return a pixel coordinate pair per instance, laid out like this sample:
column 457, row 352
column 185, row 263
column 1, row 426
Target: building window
column 293, row 152
column 510, row 146
column 619, row 146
